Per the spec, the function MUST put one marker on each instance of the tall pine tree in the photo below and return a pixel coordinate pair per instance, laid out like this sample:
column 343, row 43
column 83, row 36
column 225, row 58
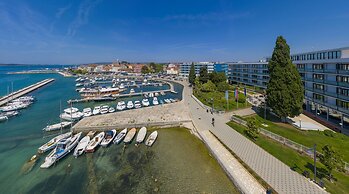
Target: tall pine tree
column 192, row 74
column 204, row 77
column 285, row 92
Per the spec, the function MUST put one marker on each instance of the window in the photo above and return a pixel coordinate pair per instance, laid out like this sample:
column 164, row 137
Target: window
column 318, row 66
column 342, row 104
column 343, row 91
column 300, row 66
column 319, row 97
column 343, row 79
column 319, row 76
column 319, row 86
column 344, row 67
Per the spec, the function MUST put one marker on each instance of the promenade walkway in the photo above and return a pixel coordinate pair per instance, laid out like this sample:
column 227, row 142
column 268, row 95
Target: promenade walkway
column 269, row 168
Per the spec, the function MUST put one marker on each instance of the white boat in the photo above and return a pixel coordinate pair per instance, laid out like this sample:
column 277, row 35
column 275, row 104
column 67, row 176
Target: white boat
column 109, row 137
column 132, row 91
column 104, row 109
column 129, row 104
column 52, row 143
column 172, row 100
column 120, row 136
column 141, row 135
column 24, row 99
column 111, row 109
column 167, row 100
column 130, row 135
column 138, row 104
column 155, row 101
column 64, row 147
column 151, row 95
column 121, row 105
column 145, row 102
column 57, row 126
column 9, row 113
column 87, row 112
column 15, row 106
column 3, row 118
column 151, row 138
column 96, row 110
column 79, row 84
column 156, row 94
column 80, row 148
column 94, row 142
column 121, row 86
column 71, row 114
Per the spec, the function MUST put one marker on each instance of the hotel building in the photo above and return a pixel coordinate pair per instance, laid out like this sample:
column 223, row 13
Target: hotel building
column 211, row 67
column 325, row 75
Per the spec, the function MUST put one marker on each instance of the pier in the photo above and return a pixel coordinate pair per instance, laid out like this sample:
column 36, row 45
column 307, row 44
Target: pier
column 118, row 96
column 24, row 91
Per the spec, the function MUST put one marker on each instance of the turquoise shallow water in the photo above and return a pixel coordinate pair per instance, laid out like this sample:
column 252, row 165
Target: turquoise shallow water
column 177, row 163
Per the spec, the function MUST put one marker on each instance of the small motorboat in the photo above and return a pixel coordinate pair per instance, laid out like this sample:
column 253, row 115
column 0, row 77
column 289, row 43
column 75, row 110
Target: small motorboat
column 71, row 114
column 120, row 136
column 80, row 148
column 111, row 109
column 130, row 135
column 64, row 147
column 96, row 110
column 52, row 143
column 132, row 91
column 138, row 104
column 167, row 100
column 129, row 104
column 145, row 102
column 57, row 126
column 104, row 109
column 151, row 138
column 109, row 137
column 141, row 135
column 155, row 101
column 92, row 145
column 87, row 112
column 3, row 118
column 121, row 105
column 172, row 100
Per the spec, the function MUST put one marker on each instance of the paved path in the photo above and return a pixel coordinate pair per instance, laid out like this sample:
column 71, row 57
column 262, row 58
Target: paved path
column 269, row 168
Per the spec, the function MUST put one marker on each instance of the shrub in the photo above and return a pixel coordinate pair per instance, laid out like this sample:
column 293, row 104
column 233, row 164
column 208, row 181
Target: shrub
column 208, row 87
column 222, row 86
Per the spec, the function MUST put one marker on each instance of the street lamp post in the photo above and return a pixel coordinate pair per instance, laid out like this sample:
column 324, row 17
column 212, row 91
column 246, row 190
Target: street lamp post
column 300, row 123
column 265, row 105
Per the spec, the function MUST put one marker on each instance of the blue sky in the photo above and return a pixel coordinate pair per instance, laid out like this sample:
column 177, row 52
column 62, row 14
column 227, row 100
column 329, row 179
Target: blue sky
column 61, row 31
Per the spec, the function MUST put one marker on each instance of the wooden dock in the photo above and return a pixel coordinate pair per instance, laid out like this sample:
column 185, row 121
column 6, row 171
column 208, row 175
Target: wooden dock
column 24, row 91
column 116, row 97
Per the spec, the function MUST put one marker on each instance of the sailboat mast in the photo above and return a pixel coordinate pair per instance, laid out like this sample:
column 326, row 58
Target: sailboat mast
column 60, row 112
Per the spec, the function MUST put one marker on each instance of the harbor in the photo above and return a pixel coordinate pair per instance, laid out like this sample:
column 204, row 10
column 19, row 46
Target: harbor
column 135, row 169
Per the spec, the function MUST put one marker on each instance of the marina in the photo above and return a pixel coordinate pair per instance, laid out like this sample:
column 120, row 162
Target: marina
column 20, row 142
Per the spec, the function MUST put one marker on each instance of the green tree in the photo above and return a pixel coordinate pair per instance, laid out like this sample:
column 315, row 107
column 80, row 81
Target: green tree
column 331, row 159
column 192, row 74
column 285, row 92
column 222, row 86
column 208, row 87
column 145, row 69
column 252, row 130
column 204, row 77
column 217, row 78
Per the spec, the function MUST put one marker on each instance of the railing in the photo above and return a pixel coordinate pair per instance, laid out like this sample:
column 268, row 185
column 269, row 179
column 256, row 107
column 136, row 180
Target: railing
column 289, row 143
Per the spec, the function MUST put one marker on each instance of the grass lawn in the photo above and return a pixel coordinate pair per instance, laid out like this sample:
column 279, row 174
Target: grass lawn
column 339, row 141
column 299, row 162
column 219, row 101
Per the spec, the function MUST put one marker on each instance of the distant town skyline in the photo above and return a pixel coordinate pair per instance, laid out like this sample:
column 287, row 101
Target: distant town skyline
column 87, row 31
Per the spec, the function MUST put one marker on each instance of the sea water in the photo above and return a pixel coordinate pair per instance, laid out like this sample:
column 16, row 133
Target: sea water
column 177, row 162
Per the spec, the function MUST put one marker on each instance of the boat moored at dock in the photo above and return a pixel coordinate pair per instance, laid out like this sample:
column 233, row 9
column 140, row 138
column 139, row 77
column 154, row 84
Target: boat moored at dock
column 92, row 145
column 141, row 135
column 130, row 135
column 52, row 143
column 120, row 136
column 151, row 138
column 64, row 147
column 109, row 137
column 71, row 114
column 81, row 147
column 57, row 126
